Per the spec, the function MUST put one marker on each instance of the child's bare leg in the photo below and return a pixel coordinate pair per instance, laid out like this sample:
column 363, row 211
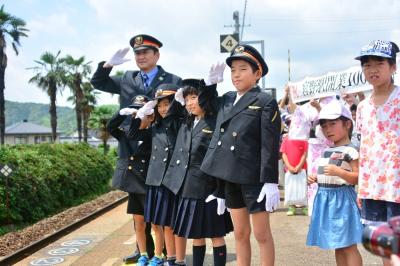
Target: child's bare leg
column 169, row 241
column 340, row 257
column 263, row 235
column 159, row 243
column 241, row 224
column 349, row 255
column 180, row 247
column 140, row 226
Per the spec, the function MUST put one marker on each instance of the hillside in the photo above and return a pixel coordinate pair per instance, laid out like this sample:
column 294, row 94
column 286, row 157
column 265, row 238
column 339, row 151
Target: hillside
column 38, row 113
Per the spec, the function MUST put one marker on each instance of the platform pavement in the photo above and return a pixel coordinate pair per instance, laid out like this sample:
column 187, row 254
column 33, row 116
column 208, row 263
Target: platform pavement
column 112, row 238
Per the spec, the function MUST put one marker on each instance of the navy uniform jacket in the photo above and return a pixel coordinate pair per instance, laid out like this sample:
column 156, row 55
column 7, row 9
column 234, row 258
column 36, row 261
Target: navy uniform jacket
column 245, row 146
column 184, row 174
column 133, row 161
column 163, row 135
column 130, row 84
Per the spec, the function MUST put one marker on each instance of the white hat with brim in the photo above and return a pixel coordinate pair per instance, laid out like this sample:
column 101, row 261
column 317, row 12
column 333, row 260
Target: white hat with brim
column 334, row 110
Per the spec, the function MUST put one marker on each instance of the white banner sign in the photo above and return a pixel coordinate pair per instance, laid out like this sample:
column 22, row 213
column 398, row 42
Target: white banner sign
column 348, row 81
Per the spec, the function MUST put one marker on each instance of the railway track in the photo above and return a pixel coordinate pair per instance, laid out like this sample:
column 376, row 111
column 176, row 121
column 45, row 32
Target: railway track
column 37, row 245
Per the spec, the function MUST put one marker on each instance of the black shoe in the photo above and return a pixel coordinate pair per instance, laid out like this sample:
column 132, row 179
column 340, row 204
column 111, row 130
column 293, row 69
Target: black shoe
column 132, row 258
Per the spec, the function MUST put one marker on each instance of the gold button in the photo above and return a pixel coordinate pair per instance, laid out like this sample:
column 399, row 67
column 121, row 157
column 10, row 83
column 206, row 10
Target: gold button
column 222, row 129
column 155, row 148
column 178, row 162
column 130, row 167
column 232, row 148
column 219, row 143
column 132, row 158
column 154, row 157
column 166, row 149
column 164, row 160
column 234, row 134
column 143, row 161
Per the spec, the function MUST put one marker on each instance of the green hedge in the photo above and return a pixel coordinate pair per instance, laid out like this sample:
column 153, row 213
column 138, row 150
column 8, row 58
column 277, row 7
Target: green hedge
column 48, row 178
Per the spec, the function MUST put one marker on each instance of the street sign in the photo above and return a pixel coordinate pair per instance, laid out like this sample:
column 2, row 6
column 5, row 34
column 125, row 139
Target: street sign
column 5, row 170
column 228, row 42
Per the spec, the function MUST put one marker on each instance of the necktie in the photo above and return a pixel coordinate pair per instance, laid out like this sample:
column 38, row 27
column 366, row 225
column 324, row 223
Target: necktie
column 145, row 80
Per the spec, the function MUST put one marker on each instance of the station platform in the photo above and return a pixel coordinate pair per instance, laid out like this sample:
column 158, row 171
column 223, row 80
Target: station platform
column 107, row 239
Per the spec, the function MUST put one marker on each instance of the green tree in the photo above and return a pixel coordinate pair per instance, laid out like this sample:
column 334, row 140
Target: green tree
column 78, row 70
column 98, row 121
column 89, row 101
column 13, row 27
column 50, row 76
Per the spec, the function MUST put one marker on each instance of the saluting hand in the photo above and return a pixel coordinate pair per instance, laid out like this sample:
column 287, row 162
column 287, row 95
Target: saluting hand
column 216, row 74
column 118, row 58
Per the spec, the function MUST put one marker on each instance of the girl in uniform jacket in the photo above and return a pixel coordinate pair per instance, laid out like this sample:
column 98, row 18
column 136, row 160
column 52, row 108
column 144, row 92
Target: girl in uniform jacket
column 194, row 217
column 162, row 123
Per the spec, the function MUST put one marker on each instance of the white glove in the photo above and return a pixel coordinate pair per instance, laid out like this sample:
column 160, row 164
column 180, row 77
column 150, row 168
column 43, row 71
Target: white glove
column 220, row 203
column 271, row 193
column 118, row 57
column 147, row 109
column 127, row 111
column 216, row 74
column 179, row 96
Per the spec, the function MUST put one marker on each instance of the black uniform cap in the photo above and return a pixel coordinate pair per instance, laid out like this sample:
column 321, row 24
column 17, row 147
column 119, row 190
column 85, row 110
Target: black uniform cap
column 165, row 90
column 138, row 101
column 249, row 54
column 143, row 41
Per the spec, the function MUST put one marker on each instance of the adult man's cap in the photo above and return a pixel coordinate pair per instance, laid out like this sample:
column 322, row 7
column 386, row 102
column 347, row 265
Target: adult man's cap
column 379, row 48
column 138, row 101
column 143, row 41
column 249, row 54
column 334, row 110
column 165, row 90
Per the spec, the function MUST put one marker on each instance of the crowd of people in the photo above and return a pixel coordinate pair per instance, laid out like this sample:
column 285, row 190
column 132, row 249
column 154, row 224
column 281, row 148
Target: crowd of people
column 197, row 165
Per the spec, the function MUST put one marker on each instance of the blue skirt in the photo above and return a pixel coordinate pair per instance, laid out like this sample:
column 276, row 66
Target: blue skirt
column 197, row 219
column 335, row 220
column 159, row 206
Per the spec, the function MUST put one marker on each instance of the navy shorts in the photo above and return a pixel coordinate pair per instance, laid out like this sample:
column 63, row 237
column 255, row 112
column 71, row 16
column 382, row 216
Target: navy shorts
column 136, row 204
column 378, row 210
column 244, row 195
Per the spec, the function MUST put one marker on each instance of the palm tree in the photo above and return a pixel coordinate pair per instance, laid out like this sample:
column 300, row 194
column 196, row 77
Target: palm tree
column 78, row 70
column 50, row 76
column 89, row 101
column 98, row 120
column 15, row 28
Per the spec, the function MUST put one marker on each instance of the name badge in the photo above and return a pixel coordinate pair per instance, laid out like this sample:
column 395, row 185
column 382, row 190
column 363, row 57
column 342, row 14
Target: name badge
column 254, row 107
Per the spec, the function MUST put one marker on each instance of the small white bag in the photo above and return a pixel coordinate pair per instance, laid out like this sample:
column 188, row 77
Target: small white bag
column 296, row 188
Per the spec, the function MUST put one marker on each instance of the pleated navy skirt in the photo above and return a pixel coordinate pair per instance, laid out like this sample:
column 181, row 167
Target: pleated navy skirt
column 194, row 218
column 159, row 206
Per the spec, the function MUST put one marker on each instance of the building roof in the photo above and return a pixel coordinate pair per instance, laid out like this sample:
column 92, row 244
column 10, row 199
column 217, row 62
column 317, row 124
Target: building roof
column 25, row 127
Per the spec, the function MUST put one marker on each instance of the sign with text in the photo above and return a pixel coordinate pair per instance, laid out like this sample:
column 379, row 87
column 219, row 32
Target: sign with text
column 347, row 81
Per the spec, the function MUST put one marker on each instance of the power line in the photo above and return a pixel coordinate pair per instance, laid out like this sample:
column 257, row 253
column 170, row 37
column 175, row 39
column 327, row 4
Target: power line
column 328, row 19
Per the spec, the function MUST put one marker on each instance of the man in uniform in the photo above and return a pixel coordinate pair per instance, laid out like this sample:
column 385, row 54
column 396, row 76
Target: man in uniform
column 133, row 83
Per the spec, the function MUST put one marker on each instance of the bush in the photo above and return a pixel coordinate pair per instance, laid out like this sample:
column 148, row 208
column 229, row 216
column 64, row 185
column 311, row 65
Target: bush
column 48, row 178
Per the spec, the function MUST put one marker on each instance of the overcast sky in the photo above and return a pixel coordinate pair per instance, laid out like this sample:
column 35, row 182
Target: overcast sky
column 322, row 35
